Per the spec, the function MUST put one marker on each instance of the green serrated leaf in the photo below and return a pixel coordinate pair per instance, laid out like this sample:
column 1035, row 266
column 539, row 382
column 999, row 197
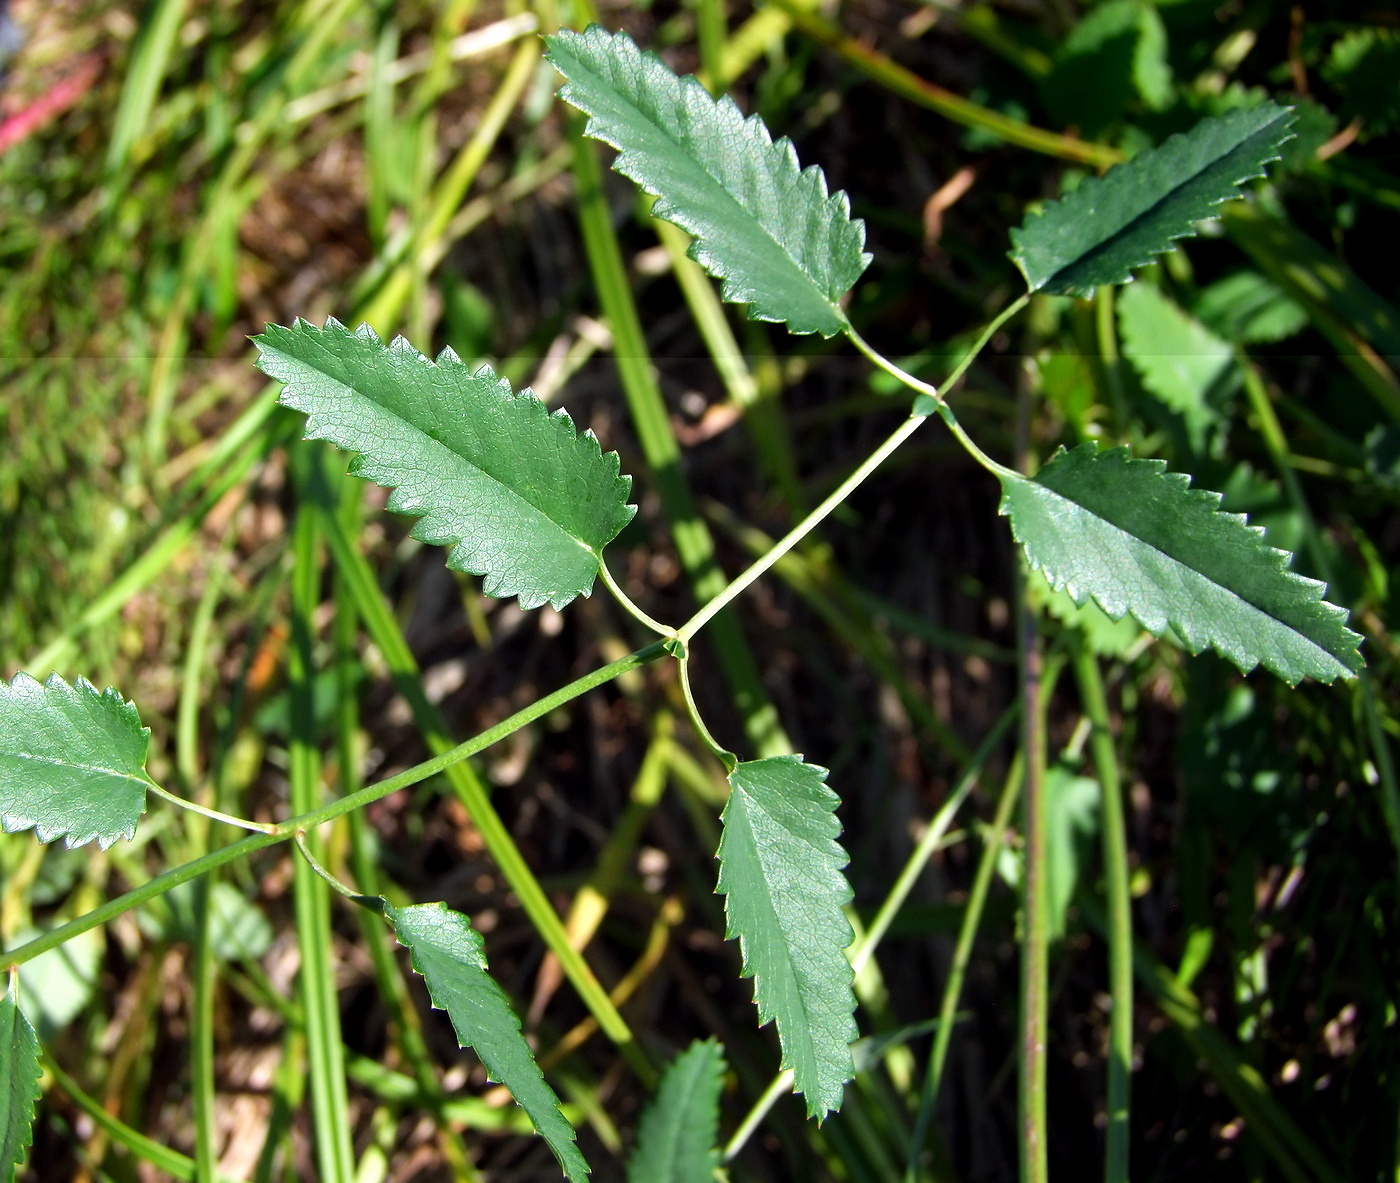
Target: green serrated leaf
column 516, row 492
column 1248, row 309
column 769, row 230
column 72, row 761
column 447, row 951
column 1177, row 358
column 1101, row 634
column 676, row 1140
column 780, row 870
column 1111, row 224
column 1139, row 539
column 19, row 1085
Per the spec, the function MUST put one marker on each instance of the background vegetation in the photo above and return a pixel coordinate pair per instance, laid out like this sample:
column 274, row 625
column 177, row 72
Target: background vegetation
column 175, row 175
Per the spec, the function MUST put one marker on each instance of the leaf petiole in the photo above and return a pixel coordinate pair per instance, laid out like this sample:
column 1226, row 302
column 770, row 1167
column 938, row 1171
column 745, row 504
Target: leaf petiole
column 725, row 757
column 335, row 884
column 627, row 603
column 241, row 822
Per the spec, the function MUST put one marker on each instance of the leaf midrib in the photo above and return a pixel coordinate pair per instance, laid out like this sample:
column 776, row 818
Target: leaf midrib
column 683, row 149
column 768, row 895
column 1248, row 603
column 486, row 472
column 75, row 765
column 1103, row 244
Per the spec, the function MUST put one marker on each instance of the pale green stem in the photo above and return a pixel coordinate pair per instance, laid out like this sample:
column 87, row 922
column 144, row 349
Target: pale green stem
column 632, row 609
column 316, row 865
column 800, row 531
column 725, row 757
column 782, row 1083
column 241, row 822
column 285, row 831
column 1120, row 915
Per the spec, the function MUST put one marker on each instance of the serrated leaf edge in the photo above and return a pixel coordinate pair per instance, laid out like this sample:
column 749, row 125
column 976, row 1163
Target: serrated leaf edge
column 1082, row 195
column 817, row 1106
column 1183, row 481
column 10, row 824
column 628, row 163
column 34, row 1092
column 389, row 910
column 317, row 428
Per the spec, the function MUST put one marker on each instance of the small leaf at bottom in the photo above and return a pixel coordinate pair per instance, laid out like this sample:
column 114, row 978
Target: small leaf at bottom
column 19, row 1085
column 676, row 1141
column 447, row 951
column 780, row 870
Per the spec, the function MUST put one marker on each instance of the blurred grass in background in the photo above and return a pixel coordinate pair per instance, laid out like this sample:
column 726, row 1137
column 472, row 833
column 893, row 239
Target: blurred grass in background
column 174, row 175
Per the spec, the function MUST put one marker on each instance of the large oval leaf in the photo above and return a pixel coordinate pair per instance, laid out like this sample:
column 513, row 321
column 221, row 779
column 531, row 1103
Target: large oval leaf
column 72, row 761
column 767, row 228
column 780, row 868
column 517, row 493
column 447, row 951
column 1139, row 539
column 1114, row 223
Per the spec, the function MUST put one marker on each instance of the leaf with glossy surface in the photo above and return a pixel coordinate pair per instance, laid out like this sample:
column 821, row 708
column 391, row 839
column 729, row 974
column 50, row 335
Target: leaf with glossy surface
column 677, row 1137
column 780, row 868
column 447, row 951
column 1112, row 224
column 19, row 1085
column 72, row 761
column 1139, row 539
column 767, row 228
column 517, row 493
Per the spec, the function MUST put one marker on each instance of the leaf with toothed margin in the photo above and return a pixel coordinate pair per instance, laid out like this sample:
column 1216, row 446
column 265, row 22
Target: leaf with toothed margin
column 447, row 951
column 1112, row 224
column 517, row 493
column 769, row 229
column 780, row 868
column 72, row 761
column 19, row 1083
column 678, row 1131
column 1139, row 539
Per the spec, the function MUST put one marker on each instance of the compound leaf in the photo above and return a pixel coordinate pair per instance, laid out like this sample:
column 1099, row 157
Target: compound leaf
column 1114, row 223
column 517, row 493
column 72, row 761
column 447, row 951
column 676, row 1141
column 1139, row 539
column 19, row 1085
column 780, row 869
column 768, row 229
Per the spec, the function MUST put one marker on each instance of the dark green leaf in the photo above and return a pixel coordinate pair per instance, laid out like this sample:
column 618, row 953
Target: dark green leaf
column 448, row 953
column 1138, row 539
column 19, row 1085
column 676, row 1141
column 769, row 230
column 516, row 492
column 72, row 761
column 1109, row 225
column 780, row 869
